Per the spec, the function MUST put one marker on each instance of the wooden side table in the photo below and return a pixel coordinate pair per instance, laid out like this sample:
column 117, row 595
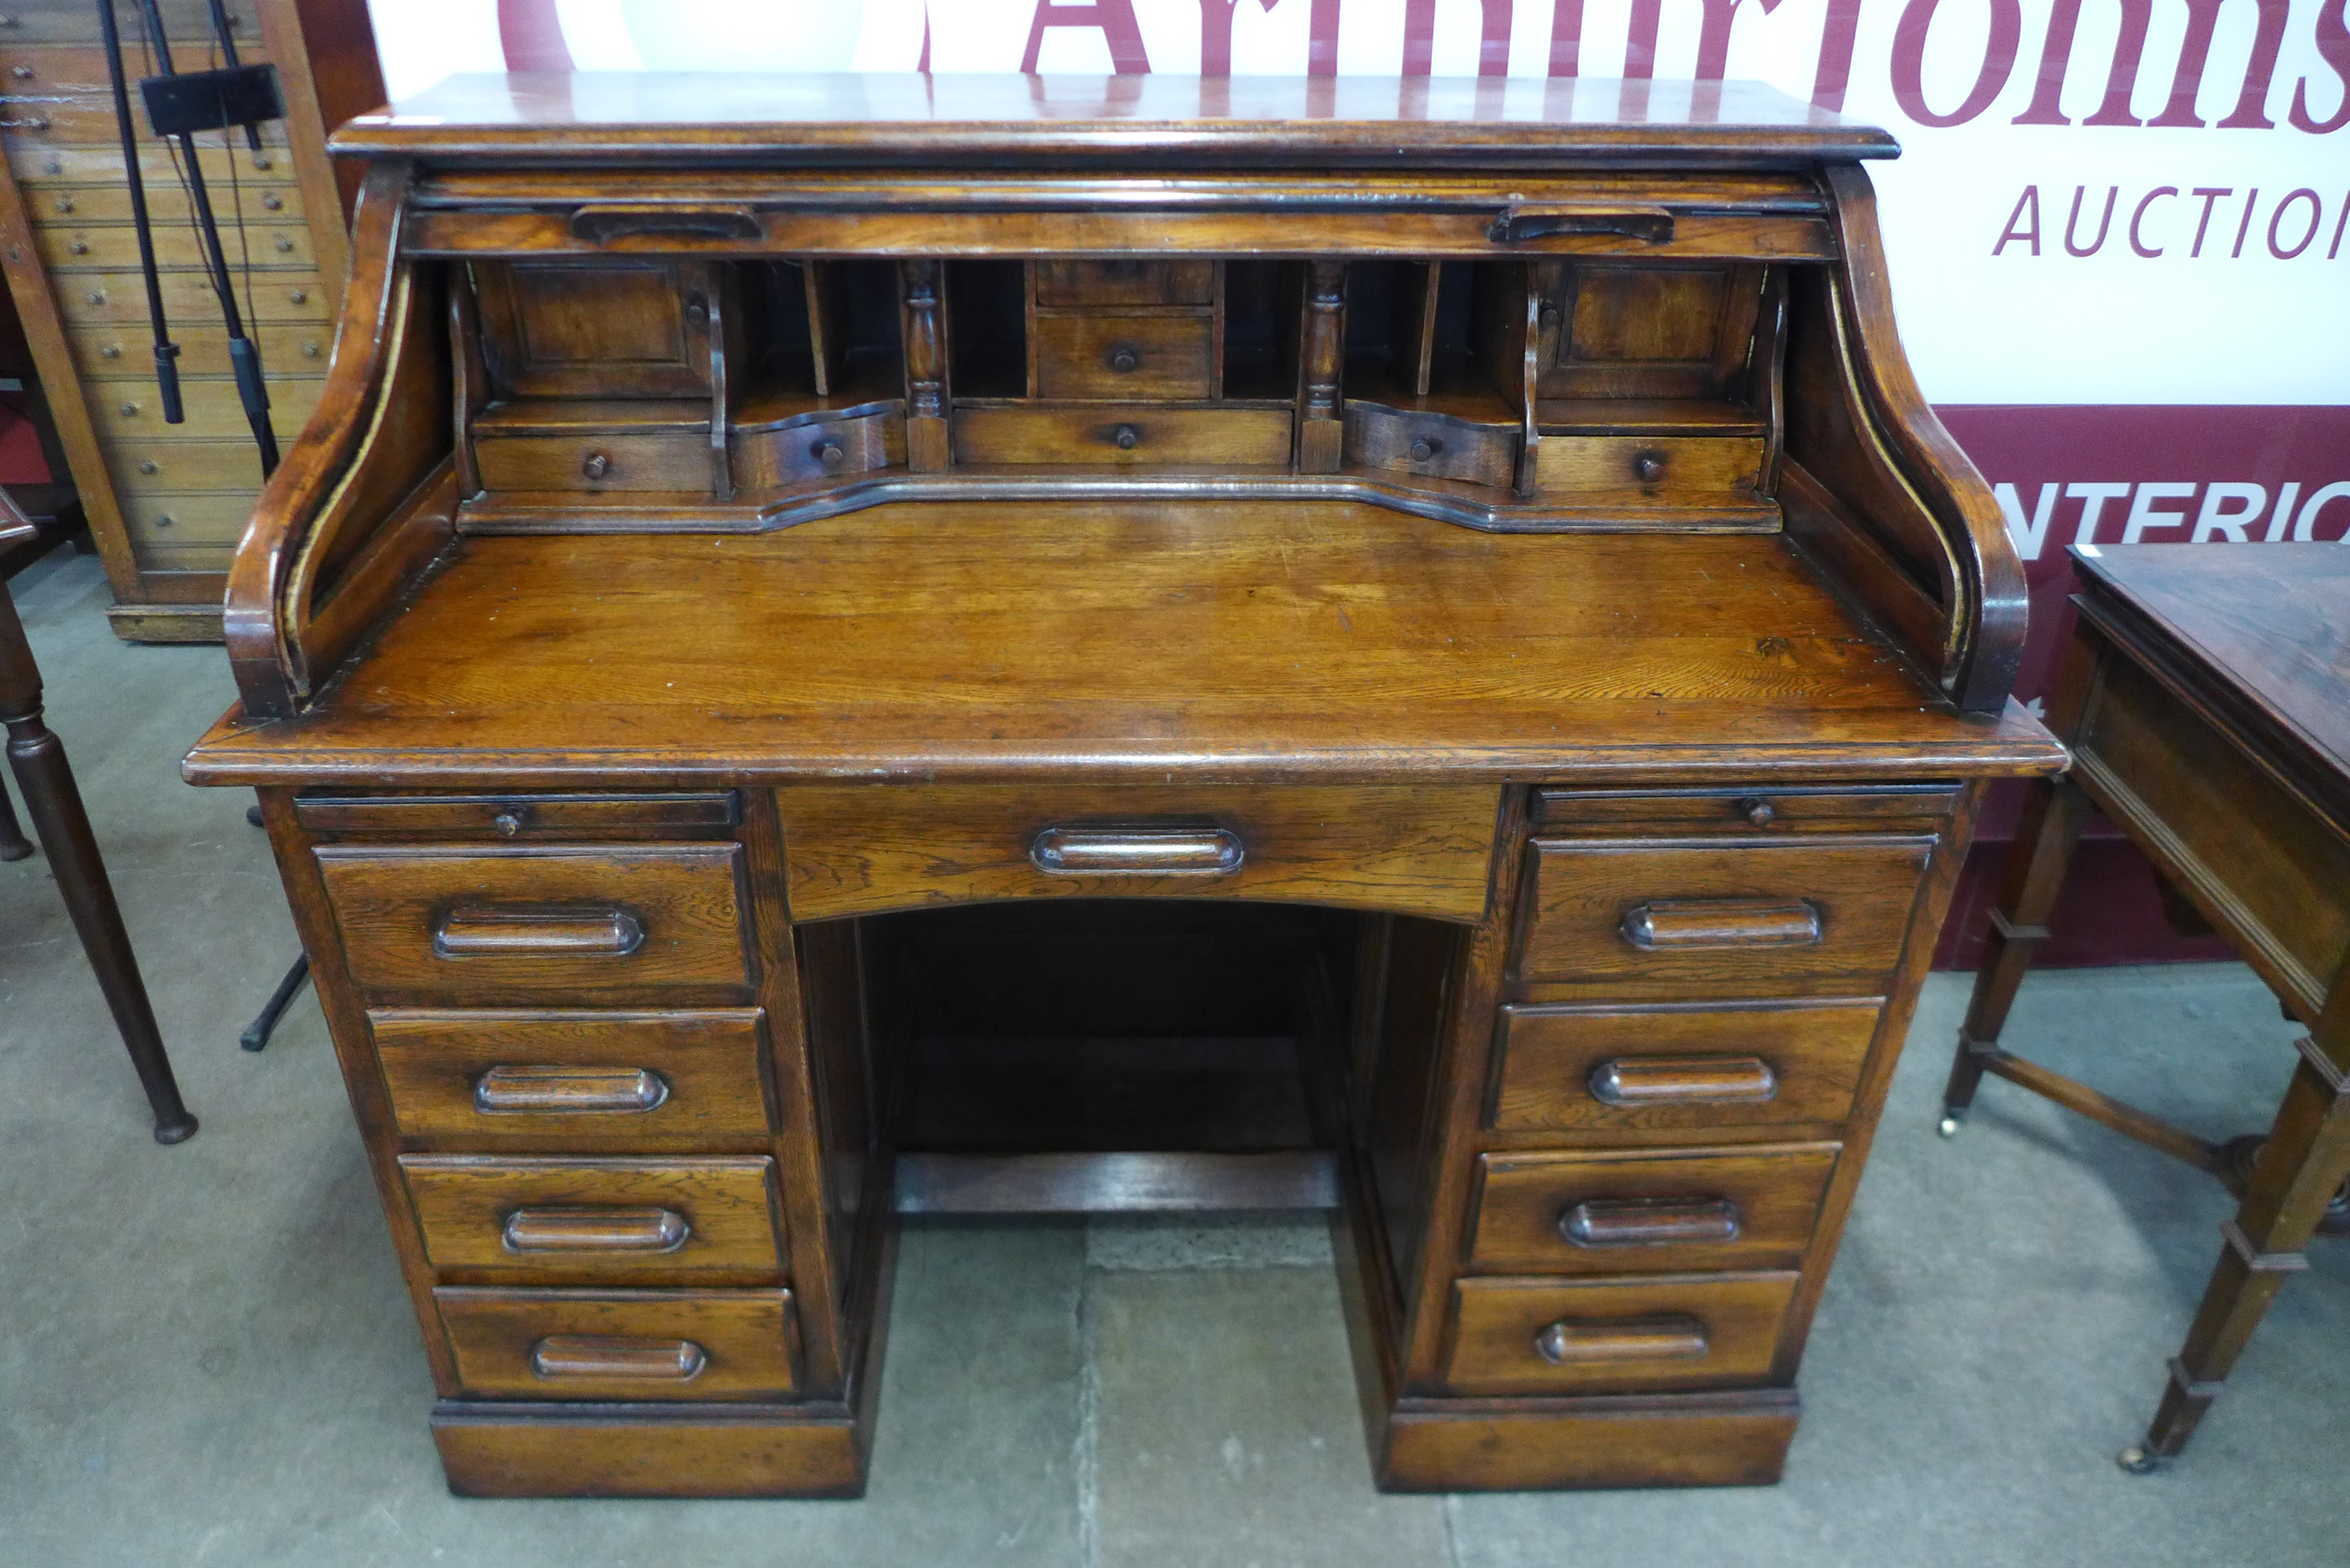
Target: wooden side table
column 39, row 760
column 2206, row 696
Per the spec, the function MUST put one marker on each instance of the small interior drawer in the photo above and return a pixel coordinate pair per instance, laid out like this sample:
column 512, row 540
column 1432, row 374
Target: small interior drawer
column 864, row 849
column 674, row 459
column 1118, row 355
column 1664, row 466
column 816, row 448
column 1125, row 434
column 648, row 1077
column 1641, row 1211
column 1737, row 917
column 1560, row 1336
column 1125, row 282
column 621, row 1344
column 1764, row 809
column 493, row 1219
column 516, row 816
column 1669, row 1068
column 487, row 921
column 1431, row 446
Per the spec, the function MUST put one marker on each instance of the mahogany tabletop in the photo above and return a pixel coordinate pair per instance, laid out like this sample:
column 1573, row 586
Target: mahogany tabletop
column 2268, row 625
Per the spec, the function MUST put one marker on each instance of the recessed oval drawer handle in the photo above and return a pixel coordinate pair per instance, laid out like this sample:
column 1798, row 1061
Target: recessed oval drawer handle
column 1670, row 1336
column 553, row 930
column 1137, row 851
column 596, row 1230
column 1682, row 1080
column 626, row 220
column 1514, row 225
column 560, row 1091
column 1648, row 1221
column 1723, row 923
column 560, row 1356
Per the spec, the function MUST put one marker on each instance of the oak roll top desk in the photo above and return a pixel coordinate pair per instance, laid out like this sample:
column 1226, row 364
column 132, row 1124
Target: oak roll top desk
column 844, row 645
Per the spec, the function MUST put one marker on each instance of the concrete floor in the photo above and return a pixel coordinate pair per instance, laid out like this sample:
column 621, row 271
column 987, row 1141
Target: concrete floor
column 206, row 1358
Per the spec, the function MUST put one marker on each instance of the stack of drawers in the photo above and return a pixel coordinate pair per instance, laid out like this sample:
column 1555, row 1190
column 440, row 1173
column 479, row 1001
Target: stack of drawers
column 1126, row 365
column 562, row 996
column 166, row 502
column 1686, row 1068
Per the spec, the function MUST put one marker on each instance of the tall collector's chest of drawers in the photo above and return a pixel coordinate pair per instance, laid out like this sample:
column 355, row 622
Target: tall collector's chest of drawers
column 865, row 645
column 166, row 504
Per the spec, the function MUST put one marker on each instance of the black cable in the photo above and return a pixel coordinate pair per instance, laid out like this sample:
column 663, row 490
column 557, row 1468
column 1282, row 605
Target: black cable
column 167, row 353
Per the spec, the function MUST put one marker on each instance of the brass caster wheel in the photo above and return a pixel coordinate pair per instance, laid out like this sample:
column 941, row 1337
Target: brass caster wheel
column 2137, row 1461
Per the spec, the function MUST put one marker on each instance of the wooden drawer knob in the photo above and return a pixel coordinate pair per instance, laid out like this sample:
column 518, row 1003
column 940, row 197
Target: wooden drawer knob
column 1683, row 1080
column 1647, row 1222
column 1685, row 923
column 1125, row 438
column 1124, row 360
column 549, row 930
column 562, row 1355
column 596, row 465
column 596, row 1230
column 1648, row 467
column 1137, row 851
column 1758, row 812
column 1670, row 1336
column 567, row 1090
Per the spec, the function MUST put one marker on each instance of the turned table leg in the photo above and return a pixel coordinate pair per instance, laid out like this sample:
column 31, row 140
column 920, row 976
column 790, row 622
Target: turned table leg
column 2304, row 1162
column 39, row 760
column 2044, row 841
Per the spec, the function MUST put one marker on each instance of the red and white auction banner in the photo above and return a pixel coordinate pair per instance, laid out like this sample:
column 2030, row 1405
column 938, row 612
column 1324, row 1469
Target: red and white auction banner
column 2118, row 229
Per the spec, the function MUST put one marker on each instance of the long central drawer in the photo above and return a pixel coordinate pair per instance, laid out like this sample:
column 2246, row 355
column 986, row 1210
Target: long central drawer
column 865, row 849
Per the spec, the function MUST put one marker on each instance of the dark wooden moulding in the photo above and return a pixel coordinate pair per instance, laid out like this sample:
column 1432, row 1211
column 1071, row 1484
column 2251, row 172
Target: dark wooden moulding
column 1469, row 723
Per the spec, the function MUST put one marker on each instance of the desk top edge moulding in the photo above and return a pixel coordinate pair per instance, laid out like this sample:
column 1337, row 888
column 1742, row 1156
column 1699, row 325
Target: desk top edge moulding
column 831, row 633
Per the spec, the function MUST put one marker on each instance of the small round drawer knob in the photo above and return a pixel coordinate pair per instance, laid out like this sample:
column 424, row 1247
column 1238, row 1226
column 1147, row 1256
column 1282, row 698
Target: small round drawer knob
column 23, row 73
column 310, row 350
column 507, row 822
column 1758, row 812
column 1648, row 467
column 261, row 160
column 129, row 411
column 111, row 351
column 274, row 203
column 79, row 247
column 53, row 166
column 299, row 296
column 1127, row 437
column 1422, row 450
column 1548, row 320
column 65, row 204
column 1124, row 360
column 96, row 297
column 147, row 467
column 827, row 451
column 595, row 466
column 697, row 315
column 165, row 520
column 284, row 246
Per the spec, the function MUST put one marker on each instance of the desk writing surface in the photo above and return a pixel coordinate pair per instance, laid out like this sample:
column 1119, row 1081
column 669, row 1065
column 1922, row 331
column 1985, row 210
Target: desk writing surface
column 1129, row 641
column 2273, row 622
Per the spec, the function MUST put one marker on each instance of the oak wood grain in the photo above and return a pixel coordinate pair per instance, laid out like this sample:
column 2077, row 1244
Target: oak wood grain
column 1581, row 1213
column 856, row 851
column 1497, row 1322
column 708, row 1066
column 477, row 1213
column 745, row 1337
